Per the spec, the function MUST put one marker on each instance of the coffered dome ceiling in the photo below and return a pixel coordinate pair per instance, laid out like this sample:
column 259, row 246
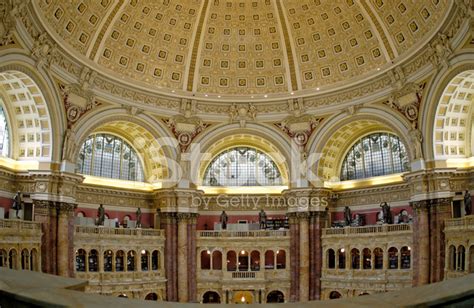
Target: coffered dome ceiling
column 237, row 47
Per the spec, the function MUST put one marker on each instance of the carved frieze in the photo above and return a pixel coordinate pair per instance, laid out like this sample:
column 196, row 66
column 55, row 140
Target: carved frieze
column 186, row 126
column 77, row 101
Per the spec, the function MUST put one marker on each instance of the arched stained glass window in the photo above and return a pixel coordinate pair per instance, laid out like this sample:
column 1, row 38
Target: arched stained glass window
column 4, row 134
column 109, row 156
column 242, row 166
column 374, row 155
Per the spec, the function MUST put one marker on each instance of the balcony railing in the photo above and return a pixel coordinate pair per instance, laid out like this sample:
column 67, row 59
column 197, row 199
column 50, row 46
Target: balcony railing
column 118, row 231
column 463, row 223
column 114, row 277
column 244, row 275
column 368, row 229
column 18, row 225
column 256, row 233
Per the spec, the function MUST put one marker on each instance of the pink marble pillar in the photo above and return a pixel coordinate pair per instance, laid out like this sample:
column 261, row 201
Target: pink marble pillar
column 421, row 243
column 45, row 213
column 318, row 220
column 65, row 239
column 294, row 257
column 304, row 257
column 182, row 258
column 440, row 210
column 169, row 225
column 192, row 259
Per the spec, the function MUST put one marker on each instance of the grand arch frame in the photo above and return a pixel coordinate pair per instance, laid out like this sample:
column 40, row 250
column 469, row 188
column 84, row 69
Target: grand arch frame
column 332, row 142
column 145, row 134
column 457, row 65
column 52, row 99
column 228, row 135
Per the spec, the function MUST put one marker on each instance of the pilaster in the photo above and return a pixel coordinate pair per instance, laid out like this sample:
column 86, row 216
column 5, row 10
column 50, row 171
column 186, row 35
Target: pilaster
column 431, row 197
column 178, row 218
column 307, row 213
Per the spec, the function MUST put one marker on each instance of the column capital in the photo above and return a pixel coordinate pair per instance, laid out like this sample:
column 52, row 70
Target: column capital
column 169, row 217
column 44, row 207
column 307, row 199
column 187, row 217
column 66, row 208
column 430, row 184
column 178, row 200
column 422, row 205
column 441, row 202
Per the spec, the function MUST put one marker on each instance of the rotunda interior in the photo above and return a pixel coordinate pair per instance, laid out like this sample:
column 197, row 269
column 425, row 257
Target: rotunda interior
column 237, row 151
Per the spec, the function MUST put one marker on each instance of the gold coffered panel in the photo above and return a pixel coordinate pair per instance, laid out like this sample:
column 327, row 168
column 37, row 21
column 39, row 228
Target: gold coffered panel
column 241, row 50
column 236, row 47
column 333, row 41
column 408, row 22
column 76, row 21
column 149, row 42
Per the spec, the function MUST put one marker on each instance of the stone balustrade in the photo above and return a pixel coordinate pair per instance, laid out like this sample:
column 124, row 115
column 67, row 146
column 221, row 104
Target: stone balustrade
column 103, row 231
column 114, row 277
column 239, row 234
column 367, row 230
column 243, row 275
column 19, row 226
column 463, row 223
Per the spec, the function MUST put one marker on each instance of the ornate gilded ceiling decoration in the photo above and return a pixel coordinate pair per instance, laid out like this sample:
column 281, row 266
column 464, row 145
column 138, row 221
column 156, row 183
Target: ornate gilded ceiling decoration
column 237, row 47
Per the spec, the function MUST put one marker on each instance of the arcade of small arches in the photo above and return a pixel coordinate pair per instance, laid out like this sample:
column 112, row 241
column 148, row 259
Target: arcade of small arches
column 366, row 258
column 117, row 261
column 213, row 297
column 460, row 259
column 243, row 260
column 23, row 259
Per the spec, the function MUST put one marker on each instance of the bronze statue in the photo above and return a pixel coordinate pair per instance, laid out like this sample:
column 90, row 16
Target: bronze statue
column 224, row 220
column 101, row 215
column 347, row 216
column 17, row 204
column 467, row 203
column 138, row 213
column 262, row 218
column 387, row 214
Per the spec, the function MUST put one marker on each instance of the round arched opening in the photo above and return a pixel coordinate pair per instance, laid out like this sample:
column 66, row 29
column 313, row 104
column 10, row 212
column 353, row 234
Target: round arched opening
column 211, row 297
column 275, row 297
column 334, row 295
column 151, row 297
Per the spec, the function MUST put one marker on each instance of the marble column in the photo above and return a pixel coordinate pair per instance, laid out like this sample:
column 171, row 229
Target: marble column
column 294, row 257
column 440, row 210
column 421, row 242
column 317, row 223
column 169, row 225
column 304, row 257
column 45, row 213
column 183, row 257
column 192, row 258
column 65, row 239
